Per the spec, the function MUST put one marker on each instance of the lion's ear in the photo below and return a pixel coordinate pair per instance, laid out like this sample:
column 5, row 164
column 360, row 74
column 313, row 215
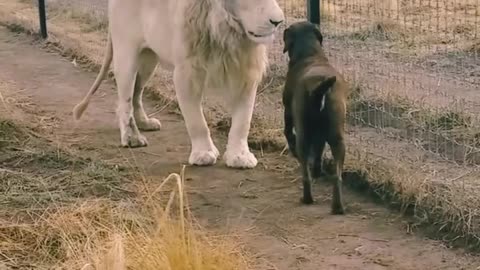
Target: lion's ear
column 287, row 40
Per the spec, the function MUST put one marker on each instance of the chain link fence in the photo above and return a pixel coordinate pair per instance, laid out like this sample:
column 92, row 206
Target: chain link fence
column 415, row 66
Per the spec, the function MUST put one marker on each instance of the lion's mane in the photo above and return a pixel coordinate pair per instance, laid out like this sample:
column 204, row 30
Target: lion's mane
column 219, row 51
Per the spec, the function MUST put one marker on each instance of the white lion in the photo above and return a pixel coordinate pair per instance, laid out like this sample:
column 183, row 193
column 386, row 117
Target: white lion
column 214, row 44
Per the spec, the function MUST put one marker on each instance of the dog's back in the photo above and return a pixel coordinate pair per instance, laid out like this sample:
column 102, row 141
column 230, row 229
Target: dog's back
column 334, row 97
column 316, row 92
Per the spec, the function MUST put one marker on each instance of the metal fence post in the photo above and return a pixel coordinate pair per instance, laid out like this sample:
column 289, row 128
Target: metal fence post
column 313, row 11
column 43, row 18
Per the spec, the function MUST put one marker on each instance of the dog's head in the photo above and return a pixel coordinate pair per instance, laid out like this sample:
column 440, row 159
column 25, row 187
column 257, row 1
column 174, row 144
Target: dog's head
column 301, row 36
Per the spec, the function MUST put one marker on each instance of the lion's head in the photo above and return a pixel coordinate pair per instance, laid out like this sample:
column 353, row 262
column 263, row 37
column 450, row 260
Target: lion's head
column 258, row 18
column 225, row 39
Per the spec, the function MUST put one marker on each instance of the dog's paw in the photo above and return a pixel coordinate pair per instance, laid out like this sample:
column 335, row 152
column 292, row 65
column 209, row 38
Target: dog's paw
column 240, row 159
column 307, row 200
column 337, row 209
column 150, row 124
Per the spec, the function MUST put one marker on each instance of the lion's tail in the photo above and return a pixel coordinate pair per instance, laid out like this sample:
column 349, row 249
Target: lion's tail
column 82, row 106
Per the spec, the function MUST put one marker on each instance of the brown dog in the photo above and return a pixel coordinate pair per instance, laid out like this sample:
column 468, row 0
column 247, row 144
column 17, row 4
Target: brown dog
column 315, row 110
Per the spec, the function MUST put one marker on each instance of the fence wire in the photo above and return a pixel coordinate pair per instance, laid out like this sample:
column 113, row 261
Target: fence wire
column 416, row 67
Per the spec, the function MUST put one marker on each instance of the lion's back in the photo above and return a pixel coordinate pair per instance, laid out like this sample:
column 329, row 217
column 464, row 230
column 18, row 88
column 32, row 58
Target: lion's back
column 180, row 33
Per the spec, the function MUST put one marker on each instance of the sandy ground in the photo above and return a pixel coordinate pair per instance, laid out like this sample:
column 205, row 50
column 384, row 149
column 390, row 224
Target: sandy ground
column 262, row 205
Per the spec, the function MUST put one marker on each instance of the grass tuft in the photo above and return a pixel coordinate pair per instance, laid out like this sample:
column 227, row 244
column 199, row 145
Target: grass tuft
column 77, row 213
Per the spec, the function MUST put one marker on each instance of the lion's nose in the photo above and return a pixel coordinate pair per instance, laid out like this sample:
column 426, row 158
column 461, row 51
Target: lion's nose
column 276, row 23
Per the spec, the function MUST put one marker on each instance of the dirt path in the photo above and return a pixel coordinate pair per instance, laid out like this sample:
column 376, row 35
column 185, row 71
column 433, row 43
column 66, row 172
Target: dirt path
column 262, row 204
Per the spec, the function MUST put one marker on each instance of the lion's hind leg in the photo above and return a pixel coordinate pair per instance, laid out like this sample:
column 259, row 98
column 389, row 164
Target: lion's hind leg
column 148, row 63
column 125, row 66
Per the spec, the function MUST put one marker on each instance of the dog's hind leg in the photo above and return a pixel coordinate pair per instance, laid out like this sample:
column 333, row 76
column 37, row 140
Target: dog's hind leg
column 288, row 130
column 303, row 144
column 307, row 184
column 337, row 145
column 147, row 65
column 317, row 156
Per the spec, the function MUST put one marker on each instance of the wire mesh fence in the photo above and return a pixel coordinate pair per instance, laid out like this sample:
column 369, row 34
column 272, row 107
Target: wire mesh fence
column 92, row 8
column 416, row 66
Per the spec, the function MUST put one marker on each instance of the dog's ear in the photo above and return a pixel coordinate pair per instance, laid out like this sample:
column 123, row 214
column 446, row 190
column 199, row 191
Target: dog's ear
column 287, row 40
column 318, row 34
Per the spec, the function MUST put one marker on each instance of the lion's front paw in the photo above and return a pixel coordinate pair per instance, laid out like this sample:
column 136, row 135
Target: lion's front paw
column 215, row 151
column 203, row 158
column 242, row 159
column 150, row 124
column 134, row 141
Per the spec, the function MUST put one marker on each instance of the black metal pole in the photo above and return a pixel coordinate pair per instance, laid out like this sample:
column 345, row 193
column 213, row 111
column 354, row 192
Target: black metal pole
column 313, row 11
column 43, row 18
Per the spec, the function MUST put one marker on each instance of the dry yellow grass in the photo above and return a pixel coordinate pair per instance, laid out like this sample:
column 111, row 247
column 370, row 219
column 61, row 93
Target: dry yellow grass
column 43, row 227
column 168, row 243
column 152, row 230
column 98, row 234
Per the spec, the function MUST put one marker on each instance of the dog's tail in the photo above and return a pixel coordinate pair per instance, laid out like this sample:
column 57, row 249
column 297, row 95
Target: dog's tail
column 82, row 106
column 318, row 94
